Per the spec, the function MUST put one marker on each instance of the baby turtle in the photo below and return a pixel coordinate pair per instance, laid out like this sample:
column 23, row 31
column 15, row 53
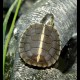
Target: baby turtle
column 40, row 43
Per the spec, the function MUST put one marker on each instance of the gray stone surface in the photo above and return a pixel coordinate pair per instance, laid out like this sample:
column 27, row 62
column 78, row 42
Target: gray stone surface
column 23, row 72
column 65, row 20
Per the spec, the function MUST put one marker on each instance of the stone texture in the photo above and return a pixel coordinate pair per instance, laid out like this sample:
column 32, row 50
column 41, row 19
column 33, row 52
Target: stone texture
column 65, row 21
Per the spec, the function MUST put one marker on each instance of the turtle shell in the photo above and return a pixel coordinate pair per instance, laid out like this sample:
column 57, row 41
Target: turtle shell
column 40, row 45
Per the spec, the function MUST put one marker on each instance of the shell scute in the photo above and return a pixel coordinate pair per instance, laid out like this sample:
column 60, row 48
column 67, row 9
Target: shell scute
column 40, row 45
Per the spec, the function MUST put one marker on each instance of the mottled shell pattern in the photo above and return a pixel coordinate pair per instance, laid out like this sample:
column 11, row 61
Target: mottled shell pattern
column 40, row 45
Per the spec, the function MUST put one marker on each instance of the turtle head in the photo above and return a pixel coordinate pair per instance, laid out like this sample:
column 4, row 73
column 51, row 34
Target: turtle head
column 48, row 19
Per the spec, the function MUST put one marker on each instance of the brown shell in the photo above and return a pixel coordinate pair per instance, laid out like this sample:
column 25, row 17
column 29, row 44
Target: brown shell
column 31, row 51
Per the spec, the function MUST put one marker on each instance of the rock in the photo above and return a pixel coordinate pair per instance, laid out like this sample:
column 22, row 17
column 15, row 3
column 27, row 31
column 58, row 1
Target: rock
column 65, row 22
